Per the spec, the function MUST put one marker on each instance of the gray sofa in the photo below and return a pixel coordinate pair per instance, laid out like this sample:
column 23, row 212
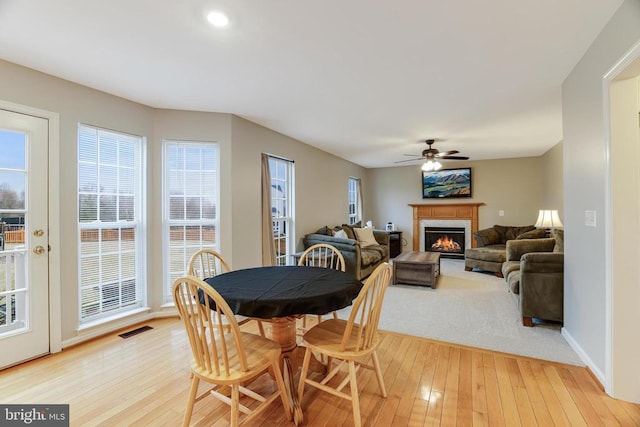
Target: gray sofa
column 360, row 260
column 534, row 271
column 490, row 251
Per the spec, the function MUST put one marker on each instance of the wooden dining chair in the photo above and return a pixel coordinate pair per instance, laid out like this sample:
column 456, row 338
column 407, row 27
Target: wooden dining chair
column 351, row 342
column 325, row 256
column 209, row 263
column 225, row 356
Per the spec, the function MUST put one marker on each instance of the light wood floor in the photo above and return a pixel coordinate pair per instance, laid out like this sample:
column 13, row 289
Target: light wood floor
column 144, row 380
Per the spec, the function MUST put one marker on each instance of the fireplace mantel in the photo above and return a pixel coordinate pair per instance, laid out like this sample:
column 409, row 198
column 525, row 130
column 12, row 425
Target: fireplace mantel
column 465, row 211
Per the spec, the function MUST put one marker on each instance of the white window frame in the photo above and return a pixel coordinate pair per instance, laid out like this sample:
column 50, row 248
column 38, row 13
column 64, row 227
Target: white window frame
column 287, row 222
column 355, row 214
column 101, row 228
column 195, row 188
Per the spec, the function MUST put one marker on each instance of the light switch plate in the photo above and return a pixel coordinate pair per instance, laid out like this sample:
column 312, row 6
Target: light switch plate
column 590, row 218
column 500, row 213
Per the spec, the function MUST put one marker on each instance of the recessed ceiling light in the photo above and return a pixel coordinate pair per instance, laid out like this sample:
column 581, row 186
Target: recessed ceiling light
column 218, row 19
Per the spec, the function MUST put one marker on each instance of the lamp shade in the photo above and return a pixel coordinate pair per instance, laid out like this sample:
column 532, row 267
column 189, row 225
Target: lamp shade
column 548, row 219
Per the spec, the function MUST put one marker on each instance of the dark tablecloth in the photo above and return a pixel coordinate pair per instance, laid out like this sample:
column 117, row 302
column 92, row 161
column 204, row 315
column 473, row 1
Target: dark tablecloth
column 268, row 292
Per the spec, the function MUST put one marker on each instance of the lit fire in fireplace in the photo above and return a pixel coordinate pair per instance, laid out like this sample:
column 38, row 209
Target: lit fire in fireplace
column 446, row 244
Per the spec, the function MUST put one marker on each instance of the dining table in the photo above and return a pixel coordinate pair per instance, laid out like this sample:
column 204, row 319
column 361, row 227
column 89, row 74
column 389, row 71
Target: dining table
column 279, row 295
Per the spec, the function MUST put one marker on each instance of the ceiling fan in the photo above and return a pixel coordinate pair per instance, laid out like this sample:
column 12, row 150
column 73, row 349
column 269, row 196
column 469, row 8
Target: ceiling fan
column 431, row 156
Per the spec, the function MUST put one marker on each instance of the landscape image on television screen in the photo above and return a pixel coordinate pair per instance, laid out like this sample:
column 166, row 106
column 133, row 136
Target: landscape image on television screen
column 446, row 183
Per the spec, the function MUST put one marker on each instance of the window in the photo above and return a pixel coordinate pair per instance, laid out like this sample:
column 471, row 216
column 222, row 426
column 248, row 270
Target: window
column 282, row 207
column 355, row 201
column 111, row 247
column 190, row 196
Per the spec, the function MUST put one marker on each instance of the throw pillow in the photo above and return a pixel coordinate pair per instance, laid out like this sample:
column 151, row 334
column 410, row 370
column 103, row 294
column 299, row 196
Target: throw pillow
column 349, row 230
column 502, row 231
column 326, row 230
column 365, row 236
column 533, row 234
column 513, row 232
column 486, row 237
column 340, row 234
column 558, row 234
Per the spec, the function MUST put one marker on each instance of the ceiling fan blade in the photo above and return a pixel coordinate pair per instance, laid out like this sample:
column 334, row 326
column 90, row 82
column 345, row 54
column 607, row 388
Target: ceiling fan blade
column 454, row 157
column 409, row 160
column 447, row 153
column 413, row 155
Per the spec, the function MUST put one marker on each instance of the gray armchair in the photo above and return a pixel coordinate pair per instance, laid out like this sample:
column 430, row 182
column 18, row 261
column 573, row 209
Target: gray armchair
column 534, row 271
column 489, row 255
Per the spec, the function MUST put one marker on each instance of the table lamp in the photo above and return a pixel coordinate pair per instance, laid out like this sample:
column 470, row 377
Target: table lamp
column 548, row 219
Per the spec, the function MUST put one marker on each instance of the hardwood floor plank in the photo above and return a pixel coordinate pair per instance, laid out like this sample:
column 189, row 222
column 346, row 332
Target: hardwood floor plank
column 618, row 412
column 370, row 407
column 434, row 411
column 520, row 392
column 417, row 355
column 633, row 410
column 564, row 396
column 479, row 391
column 450, row 397
column 494, row 401
column 144, row 381
column 423, row 392
column 594, row 396
column 538, row 404
column 412, row 387
column 464, row 410
column 586, row 409
column 507, row 395
column 406, row 356
column 552, row 403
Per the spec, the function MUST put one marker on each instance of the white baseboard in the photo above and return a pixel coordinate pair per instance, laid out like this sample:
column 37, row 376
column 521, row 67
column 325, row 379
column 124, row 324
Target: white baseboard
column 584, row 356
column 108, row 327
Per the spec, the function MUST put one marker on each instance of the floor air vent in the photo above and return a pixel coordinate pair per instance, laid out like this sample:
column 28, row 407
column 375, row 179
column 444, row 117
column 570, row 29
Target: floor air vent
column 135, row 331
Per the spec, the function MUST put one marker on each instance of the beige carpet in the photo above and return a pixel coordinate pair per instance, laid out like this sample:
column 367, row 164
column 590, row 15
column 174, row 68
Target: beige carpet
column 473, row 309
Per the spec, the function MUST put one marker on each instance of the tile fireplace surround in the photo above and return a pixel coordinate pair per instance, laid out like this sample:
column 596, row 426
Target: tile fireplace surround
column 443, row 212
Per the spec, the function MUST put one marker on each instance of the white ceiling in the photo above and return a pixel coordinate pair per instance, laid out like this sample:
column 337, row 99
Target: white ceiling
column 366, row 80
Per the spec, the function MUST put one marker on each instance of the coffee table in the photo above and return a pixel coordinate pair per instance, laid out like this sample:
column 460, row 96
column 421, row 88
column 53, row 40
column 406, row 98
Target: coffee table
column 416, row 268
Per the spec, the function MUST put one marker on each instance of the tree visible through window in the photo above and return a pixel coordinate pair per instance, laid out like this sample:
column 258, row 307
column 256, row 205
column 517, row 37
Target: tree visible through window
column 111, row 249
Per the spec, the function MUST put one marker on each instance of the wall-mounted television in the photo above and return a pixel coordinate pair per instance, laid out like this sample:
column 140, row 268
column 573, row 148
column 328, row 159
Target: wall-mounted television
column 445, row 183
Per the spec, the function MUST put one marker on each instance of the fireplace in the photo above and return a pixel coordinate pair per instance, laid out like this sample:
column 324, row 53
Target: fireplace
column 449, row 241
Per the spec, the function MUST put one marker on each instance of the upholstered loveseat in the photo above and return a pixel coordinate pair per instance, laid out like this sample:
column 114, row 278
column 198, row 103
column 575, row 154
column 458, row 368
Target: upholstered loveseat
column 534, row 271
column 361, row 256
column 490, row 253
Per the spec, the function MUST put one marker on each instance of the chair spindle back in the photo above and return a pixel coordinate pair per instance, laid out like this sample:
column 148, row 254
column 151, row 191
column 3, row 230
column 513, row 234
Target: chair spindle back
column 200, row 307
column 207, row 263
column 365, row 314
column 322, row 255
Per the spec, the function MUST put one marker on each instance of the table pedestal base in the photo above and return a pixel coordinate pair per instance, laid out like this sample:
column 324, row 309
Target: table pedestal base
column 283, row 331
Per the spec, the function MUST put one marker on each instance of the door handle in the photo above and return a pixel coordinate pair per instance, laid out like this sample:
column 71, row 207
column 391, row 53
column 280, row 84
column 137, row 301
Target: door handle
column 38, row 232
column 38, row 250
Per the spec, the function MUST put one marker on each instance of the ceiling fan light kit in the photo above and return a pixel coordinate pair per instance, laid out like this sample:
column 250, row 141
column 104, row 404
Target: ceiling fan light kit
column 431, row 165
column 430, row 156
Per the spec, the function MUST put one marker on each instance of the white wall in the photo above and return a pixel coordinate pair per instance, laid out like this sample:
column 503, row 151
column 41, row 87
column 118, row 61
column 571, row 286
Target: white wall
column 625, row 252
column 553, row 196
column 585, row 177
column 321, row 187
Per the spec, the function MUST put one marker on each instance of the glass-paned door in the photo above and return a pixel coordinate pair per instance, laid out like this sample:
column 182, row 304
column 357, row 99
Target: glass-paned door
column 282, row 208
column 24, row 286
